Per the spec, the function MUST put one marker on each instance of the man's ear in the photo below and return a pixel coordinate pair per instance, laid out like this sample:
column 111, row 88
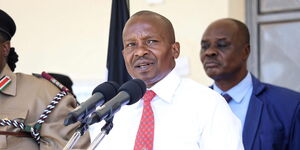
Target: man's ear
column 176, row 49
column 6, row 48
column 246, row 52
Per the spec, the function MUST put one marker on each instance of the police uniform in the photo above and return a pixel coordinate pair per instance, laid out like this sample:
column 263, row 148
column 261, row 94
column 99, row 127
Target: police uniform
column 24, row 99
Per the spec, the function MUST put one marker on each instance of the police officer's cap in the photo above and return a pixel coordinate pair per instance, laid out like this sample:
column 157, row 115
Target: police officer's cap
column 7, row 24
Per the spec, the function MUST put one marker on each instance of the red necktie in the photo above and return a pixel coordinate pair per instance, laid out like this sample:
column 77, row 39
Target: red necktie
column 145, row 135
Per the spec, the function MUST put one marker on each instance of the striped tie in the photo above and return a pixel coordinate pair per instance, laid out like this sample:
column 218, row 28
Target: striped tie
column 145, row 135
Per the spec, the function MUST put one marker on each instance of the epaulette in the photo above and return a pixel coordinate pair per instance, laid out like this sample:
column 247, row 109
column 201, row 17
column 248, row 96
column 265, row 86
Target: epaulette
column 52, row 80
column 37, row 75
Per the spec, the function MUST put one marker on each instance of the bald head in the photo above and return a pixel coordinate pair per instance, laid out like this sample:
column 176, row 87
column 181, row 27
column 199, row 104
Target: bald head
column 150, row 49
column 243, row 29
column 239, row 28
column 149, row 16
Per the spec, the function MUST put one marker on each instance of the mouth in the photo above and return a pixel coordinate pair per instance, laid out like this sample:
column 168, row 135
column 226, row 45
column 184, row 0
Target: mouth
column 143, row 65
column 211, row 64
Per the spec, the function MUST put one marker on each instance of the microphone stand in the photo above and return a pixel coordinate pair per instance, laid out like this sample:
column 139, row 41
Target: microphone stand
column 104, row 131
column 75, row 137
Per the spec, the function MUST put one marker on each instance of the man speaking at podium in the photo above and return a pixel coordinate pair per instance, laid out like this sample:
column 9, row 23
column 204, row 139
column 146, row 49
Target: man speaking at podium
column 175, row 113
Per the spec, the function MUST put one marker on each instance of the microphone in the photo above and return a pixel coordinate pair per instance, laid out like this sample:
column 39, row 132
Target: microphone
column 101, row 94
column 129, row 93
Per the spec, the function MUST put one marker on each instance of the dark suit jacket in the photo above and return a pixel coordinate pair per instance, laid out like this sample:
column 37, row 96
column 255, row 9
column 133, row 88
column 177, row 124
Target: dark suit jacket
column 273, row 118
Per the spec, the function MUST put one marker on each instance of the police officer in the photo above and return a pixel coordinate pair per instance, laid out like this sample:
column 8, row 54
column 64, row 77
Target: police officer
column 25, row 120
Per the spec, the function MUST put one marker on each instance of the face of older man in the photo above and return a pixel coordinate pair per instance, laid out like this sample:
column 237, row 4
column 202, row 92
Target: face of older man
column 148, row 51
column 223, row 51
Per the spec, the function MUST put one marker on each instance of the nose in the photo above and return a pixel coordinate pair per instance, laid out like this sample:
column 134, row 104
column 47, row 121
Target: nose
column 211, row 52
column 141, row 50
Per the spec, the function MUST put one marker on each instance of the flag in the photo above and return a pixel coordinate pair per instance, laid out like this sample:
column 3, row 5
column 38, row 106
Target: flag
column 115, row 63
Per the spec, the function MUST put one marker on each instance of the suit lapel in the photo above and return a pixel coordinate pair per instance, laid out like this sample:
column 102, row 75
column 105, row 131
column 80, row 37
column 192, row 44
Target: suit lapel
column 252, row 121
column 253, row 116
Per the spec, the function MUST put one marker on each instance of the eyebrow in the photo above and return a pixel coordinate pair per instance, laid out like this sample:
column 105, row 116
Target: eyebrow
column 143, row 38
column 222, row 38
column 202, row 41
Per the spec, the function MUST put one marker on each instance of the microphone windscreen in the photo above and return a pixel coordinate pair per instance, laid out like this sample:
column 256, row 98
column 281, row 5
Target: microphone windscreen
column 109, row 89
column 136, row 88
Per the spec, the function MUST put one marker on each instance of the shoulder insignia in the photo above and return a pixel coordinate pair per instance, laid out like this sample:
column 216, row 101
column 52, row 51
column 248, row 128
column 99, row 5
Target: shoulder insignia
column 4, row 81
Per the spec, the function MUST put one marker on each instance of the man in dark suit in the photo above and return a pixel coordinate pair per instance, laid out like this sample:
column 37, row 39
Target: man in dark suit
column 270, row 115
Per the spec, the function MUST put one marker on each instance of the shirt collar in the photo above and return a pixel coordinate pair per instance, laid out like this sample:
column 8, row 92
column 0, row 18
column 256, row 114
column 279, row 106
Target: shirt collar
column 165, row 88
column 237, row 92
column 11, row 89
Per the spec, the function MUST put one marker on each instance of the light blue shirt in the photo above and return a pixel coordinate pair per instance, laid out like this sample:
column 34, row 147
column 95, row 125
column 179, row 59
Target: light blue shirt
column 241, row 94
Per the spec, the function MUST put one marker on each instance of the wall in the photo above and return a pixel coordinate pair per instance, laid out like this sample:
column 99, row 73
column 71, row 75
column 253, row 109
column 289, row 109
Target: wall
column 71, row 36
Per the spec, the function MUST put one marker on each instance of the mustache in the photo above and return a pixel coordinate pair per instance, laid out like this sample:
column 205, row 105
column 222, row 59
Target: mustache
column 210, row 60
column 143, row 60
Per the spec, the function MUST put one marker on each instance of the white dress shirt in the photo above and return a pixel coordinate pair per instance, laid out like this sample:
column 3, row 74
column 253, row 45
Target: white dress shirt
column 188, row 116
